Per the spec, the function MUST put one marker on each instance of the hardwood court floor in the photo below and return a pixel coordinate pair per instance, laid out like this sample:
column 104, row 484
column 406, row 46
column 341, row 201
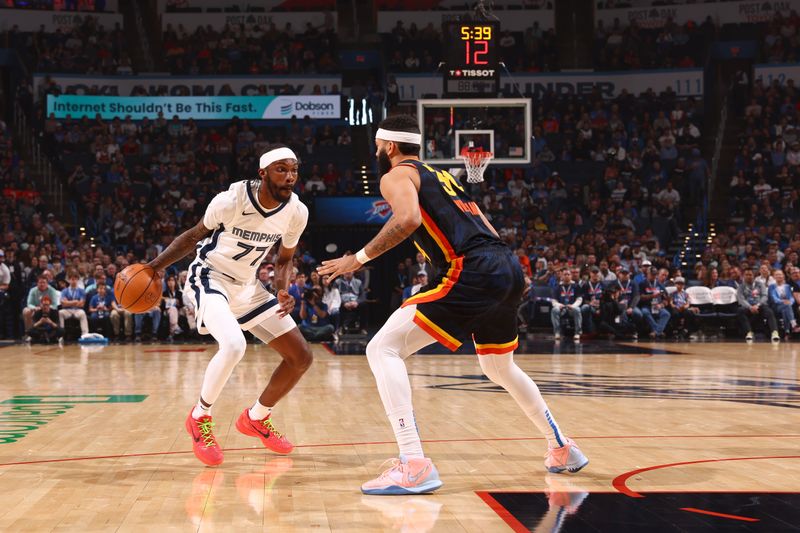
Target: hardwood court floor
column 93, row 440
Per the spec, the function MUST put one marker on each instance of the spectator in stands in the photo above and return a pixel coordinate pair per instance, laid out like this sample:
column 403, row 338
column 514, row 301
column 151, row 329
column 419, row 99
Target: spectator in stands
column 73, row 299
column 6, row 305
column 401, row 282
column 35, row 295
column 138, row 323
column 764, row 275
column 592, row 296
column 296, row 289
column 782, row 301
column 752, row 296
column 611, row 311
column 332, row 299
column 44, row 323
column 420, row 266
column 568, row 302
column 683, row 315
column 629, row 298
column 353, row 308
column 121, row 318
column 100, row 308
column 172, row 306
column 652, row 302
column 315, row 325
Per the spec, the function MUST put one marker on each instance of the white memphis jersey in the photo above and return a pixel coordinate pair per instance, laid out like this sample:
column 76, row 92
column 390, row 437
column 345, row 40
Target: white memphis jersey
column 244, row 231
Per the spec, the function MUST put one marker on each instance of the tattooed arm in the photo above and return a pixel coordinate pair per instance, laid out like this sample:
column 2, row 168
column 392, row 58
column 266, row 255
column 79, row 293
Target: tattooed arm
column 182, row 246
column 399, row 188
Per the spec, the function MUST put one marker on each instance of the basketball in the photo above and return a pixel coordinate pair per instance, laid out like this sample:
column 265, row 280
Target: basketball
column 137, row 289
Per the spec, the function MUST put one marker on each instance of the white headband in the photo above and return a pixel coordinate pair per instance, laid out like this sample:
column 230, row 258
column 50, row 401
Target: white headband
column 399, row 136
column 275, row 155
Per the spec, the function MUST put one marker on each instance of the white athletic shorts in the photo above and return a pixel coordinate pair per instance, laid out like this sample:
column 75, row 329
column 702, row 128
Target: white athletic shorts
column 250, row 303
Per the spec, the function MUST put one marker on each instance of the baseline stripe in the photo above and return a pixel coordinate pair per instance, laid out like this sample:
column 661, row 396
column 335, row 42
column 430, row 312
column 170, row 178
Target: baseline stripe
column 432, row 441
column 721, row 515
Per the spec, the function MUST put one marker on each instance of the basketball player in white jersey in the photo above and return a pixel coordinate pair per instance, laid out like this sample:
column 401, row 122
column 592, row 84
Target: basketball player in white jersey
column 239, row 228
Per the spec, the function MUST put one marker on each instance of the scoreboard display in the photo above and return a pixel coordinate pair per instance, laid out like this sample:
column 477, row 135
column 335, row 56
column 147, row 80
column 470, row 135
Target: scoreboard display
column 472, row 62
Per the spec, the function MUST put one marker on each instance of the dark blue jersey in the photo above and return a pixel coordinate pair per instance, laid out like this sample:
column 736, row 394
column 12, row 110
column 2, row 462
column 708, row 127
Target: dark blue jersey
column 451, row 222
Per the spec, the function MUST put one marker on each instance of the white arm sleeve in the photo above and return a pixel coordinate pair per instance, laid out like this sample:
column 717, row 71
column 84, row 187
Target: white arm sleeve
column 221, row 210
column 296, row 226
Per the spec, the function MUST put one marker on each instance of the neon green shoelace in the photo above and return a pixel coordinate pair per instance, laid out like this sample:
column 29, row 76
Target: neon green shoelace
column 205, row 433
column 268, row 424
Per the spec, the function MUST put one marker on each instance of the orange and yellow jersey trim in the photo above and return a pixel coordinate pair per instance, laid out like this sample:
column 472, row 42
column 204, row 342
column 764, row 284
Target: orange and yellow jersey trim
column 496, row 349
column 438, row 236
column 443, row 288
column 436, row 332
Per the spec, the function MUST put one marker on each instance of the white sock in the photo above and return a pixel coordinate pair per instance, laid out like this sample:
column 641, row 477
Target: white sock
column 259, row 412
column 201, row 410
column 502, row 370
column 406, row 433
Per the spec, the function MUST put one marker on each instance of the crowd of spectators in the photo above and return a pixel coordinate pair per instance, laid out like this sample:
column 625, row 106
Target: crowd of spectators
column 251, row 49
column 631, row 47
column 781, row 39
column 56, row 5
column 86, row 48
column 643, row 152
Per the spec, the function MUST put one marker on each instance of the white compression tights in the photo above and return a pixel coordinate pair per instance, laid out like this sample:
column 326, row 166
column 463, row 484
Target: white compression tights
column 401, row 337
column 396, row 340
column 502, row 370
column 223, row 326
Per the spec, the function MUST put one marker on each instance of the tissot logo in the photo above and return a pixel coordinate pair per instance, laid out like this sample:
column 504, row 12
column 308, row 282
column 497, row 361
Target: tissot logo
column 473, row 73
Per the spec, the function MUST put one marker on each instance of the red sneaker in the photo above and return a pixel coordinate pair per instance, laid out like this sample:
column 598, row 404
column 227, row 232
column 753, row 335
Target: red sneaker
column 264, row 430
column 204, row 444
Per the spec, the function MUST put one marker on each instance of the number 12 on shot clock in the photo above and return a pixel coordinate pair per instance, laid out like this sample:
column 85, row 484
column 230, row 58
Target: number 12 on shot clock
column 471, row 55
column 476, row 44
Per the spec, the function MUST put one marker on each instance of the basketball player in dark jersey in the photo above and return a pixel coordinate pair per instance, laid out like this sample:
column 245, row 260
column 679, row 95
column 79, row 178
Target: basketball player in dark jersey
column 476, row 293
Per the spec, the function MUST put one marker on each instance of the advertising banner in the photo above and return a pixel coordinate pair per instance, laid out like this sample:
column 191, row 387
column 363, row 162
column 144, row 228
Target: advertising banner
column 158, row 85
column 782, row 73
column 720, row 13
column 196, row 107
column 298, row 20
column 344, row 210
column 33, row 20
column 685, row 83
column 512, row 20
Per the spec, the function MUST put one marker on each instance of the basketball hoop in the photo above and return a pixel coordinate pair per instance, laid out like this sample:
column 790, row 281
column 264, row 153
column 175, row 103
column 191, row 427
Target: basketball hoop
column 476, row 163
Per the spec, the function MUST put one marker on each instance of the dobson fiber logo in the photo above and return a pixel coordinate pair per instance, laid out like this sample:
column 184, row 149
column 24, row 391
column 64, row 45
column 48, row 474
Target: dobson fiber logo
column 314, row 106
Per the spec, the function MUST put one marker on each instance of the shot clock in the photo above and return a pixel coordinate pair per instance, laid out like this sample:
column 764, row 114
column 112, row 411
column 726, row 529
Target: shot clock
column 472, row 63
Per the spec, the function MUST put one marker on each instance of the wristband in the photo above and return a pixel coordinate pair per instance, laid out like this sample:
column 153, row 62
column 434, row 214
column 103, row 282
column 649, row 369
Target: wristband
column 362, row 257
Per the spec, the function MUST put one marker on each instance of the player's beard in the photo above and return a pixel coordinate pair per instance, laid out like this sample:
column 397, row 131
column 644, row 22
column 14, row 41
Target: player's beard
column 278, row 193
column 384, row 164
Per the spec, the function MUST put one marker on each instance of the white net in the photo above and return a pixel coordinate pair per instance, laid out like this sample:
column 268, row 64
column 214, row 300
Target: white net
column 476, row 163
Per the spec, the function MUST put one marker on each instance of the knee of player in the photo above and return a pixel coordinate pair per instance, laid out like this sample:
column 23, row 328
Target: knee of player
column 302, row 359
column 234, row 346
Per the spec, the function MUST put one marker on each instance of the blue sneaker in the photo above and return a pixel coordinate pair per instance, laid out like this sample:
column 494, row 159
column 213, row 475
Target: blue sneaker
column 405, row 476
column 568, row 457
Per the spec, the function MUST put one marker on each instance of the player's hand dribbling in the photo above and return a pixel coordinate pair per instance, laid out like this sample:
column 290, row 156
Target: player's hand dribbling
column 285, row 303
column 337, row 267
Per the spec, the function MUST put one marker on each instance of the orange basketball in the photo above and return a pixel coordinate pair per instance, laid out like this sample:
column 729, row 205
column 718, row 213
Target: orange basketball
column 137, row 289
